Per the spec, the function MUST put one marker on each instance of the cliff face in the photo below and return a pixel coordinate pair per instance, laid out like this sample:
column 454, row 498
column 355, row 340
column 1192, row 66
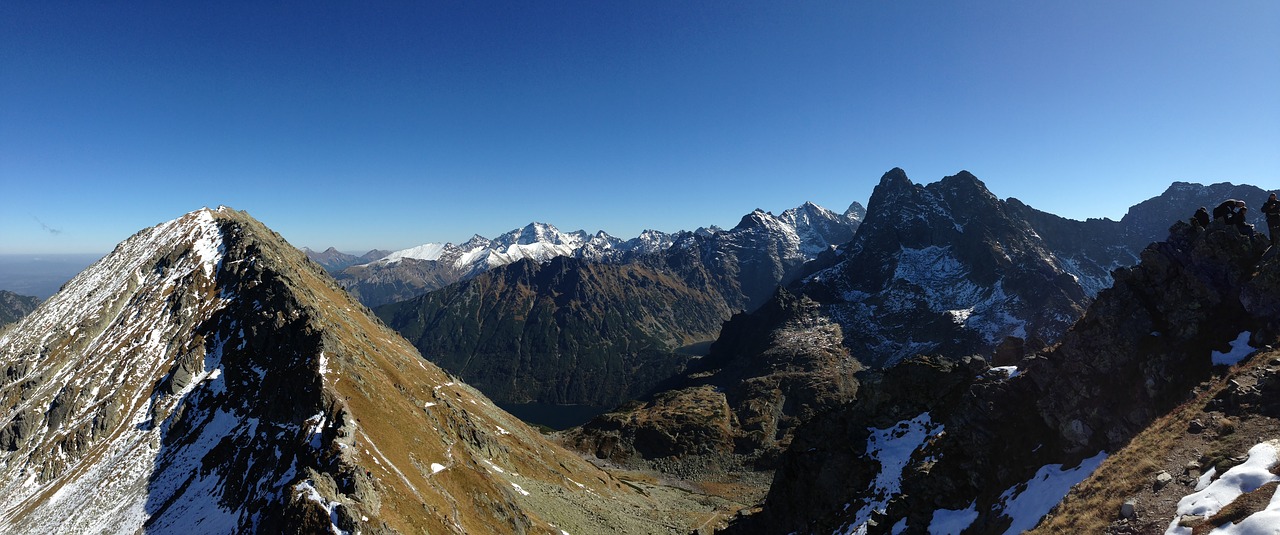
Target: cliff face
column 769, row 372
column 946, row 268
column 974, row 439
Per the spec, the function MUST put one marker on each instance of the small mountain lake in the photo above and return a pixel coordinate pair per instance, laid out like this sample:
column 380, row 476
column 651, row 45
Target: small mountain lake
column 553, row 416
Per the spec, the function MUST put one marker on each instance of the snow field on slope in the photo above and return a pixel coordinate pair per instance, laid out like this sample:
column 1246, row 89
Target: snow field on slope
column 943, row 280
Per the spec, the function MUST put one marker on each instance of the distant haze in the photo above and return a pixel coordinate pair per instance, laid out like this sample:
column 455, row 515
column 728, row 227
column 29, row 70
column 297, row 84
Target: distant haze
column 40, row 275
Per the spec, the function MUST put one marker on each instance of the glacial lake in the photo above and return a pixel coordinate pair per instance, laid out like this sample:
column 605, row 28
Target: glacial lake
column 554, row 416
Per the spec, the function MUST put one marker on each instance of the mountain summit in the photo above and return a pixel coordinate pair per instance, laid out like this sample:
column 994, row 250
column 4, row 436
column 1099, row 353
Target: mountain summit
column 946, row 267
column 205, row 375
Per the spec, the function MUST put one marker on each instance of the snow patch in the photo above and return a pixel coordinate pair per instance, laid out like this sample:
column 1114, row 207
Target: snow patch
column 1028, row 502
column 309, row 491
column 892, row 448
column 1239, row 350
column 1206, row 478
column 1243, row 478
column 952, row 522
column 324, row 364
column 1003, row 372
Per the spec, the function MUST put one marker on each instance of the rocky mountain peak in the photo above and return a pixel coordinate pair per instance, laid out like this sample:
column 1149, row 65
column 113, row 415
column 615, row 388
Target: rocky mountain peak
column 755, row 219
column 894, row 178
column 948, row 267
column 533, row 233
column 205, row 373
column 855, row 211
column 973, row 438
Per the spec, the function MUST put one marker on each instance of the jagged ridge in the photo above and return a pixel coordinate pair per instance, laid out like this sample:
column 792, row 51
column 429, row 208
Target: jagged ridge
column 205, row 373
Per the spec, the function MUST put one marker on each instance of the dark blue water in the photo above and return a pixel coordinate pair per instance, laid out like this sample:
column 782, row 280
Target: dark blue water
column 554, row 416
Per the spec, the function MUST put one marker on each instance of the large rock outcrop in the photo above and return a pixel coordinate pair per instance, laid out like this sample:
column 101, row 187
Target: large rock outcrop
column 769, row 372
column 1139, row 351
column 946, row 268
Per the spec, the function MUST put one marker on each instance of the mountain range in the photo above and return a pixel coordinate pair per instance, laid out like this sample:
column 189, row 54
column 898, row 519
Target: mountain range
column 206, row 375
column 334, row 260
column 798, row 234
column 606, row 325
column 940, row 269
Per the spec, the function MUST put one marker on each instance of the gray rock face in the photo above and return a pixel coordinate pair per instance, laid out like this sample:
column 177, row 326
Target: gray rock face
column 945, row 268
column 1147, row 221
column 1139, row 351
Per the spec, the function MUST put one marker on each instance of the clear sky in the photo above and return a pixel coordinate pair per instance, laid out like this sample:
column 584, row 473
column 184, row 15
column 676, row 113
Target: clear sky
column 390, row 124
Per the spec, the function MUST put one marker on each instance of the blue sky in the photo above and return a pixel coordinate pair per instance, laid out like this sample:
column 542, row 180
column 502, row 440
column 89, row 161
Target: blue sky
column 393, row 124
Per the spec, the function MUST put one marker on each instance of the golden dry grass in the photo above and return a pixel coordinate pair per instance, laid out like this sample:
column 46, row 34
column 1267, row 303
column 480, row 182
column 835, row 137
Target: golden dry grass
column 1093, row 504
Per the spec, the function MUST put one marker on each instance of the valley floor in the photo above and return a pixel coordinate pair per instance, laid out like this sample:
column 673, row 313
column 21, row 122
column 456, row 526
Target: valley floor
column 686, row 506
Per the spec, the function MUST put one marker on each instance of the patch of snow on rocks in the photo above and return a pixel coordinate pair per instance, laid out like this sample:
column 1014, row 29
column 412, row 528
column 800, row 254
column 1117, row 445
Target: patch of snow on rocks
column 1028, row 502
column 1239, row 350
column 1243, row 478
column 892, row 448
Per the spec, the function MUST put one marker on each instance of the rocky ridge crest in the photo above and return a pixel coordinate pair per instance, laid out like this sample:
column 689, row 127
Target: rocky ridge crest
column 1138, row 352
column 206, row 373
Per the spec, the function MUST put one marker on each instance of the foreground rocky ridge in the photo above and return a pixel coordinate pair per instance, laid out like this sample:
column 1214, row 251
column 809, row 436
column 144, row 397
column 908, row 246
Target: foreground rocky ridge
column 205, row 373
column 1140, row 350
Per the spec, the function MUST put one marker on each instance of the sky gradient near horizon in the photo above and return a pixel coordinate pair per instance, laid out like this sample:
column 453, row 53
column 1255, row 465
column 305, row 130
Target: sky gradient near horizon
column 394, row 124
